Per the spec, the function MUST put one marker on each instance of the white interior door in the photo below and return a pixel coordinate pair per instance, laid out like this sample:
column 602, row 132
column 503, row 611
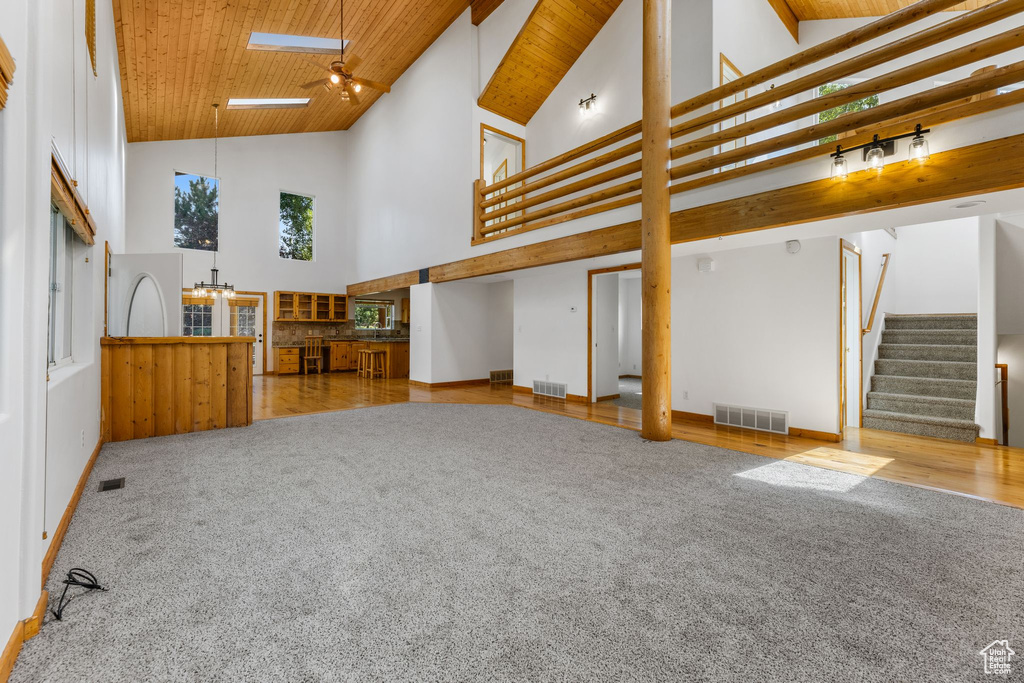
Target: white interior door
column 606, row 335
column 852, row 399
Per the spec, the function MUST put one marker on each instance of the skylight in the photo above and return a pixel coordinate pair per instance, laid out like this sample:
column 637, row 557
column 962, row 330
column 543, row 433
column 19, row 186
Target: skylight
column 284, row 42
column 267, row 102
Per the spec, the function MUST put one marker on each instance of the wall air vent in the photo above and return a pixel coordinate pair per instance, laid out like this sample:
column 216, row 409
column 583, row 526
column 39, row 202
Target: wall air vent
column 501, row 376
column 555, row 389
column 776, row 421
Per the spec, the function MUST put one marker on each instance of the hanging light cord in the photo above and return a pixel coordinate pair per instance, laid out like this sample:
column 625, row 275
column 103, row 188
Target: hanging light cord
column 76, row 577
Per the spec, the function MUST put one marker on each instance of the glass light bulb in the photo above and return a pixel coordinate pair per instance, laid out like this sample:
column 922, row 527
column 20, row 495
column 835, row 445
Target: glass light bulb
column 876, row 158
column 839, row 170
column 357, row 87
column 195, row 292
column 335, row 78
column 919, row 149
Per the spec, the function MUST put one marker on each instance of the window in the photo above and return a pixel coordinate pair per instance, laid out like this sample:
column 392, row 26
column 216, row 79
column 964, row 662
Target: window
column 375, row 315
column 848, row 108
column 197, row 320
column 295, row 227
column 243, row 321
column 62, row 258
column 196, row 211
column 727, row 73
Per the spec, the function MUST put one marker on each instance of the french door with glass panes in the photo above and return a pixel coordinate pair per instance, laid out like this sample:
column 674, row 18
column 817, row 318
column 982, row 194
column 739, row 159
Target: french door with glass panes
column 241, row 316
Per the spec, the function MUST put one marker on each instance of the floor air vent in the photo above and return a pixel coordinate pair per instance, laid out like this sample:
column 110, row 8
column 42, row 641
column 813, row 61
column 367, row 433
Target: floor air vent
column 112, row 484
column 775, row 421
column 549, row 388
column 501, row 376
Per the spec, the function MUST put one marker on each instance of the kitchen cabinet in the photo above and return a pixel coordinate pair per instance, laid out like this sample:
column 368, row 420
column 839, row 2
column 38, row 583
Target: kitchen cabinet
column 310, row 306
column 287, row 361
column 339, row 353
column 405, row 310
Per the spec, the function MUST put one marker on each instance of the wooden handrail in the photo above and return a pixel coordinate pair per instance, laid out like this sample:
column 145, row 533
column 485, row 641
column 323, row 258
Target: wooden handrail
column 879, row 27
column 881, row 55
column 509, row 210
column 1004, row 380
column 878, row 294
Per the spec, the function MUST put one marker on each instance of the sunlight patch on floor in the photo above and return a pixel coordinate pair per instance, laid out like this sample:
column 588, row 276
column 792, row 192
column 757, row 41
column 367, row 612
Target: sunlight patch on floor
column 845, row 461
column 794, row 475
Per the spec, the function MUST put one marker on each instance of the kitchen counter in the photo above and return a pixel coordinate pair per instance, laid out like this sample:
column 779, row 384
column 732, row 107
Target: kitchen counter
column 302, row 344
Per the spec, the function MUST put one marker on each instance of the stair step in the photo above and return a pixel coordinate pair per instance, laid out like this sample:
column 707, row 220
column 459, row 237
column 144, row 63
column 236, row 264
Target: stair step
column 931, row 322
column 936, row 369
column 922, row 425
column 953, row 352
column 925, row 386
column 934, row 406
column 954, row 337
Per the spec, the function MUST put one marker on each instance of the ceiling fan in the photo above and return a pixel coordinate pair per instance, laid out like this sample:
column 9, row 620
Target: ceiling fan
column 340, row 78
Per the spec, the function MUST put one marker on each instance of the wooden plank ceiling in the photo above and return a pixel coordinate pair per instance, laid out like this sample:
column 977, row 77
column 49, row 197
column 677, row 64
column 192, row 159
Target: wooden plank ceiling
column 178, row 57
column 809, row 10
column 554, row 36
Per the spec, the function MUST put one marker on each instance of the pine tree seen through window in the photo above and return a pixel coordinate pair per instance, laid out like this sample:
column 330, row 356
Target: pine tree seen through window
column 296, row 227
column 196, row 211
column 848, row 108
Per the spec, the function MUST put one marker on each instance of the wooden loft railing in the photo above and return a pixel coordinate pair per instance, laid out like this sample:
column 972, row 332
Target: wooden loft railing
column 575, row 190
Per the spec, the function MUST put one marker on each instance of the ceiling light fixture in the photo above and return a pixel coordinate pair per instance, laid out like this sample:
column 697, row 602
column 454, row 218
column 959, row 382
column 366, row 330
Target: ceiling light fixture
column 879, row 148
column 201, row 288
column 588, row 106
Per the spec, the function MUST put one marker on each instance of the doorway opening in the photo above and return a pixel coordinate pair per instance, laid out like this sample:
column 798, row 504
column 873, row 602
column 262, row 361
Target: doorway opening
column 243, row 316
column 614, row 336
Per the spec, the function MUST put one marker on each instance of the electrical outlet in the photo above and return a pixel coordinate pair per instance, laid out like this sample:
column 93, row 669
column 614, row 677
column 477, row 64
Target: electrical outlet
column 83, row 438
column 686, row 395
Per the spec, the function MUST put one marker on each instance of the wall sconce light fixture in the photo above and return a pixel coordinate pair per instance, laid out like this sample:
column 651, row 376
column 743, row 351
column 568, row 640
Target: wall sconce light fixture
column 879, row 148
column 588, row 106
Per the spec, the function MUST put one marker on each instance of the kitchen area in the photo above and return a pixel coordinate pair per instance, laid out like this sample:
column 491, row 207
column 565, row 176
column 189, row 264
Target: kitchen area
column 345, row 327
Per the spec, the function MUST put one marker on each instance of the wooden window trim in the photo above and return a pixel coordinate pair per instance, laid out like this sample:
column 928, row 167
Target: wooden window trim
column 90, row 32
column 65, row 196
column 6, row 72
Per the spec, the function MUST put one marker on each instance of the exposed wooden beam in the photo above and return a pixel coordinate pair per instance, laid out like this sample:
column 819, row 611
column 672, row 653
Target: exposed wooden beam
column 481, row 9
column 384, row 284
column 787, row 16
column 976, row 169
column 656, row 256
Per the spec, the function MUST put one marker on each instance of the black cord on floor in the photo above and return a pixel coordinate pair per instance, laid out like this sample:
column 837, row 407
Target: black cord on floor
column 76, row 577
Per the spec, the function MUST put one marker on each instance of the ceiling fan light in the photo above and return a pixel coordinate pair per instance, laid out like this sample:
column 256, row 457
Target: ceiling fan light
column 357, row 87
column 335, row 78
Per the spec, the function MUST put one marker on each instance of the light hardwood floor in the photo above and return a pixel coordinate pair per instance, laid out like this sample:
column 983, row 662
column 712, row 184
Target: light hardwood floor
column 989, row 472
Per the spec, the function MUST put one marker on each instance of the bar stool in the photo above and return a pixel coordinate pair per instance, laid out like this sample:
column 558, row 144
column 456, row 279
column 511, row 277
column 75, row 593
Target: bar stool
column 371, row 364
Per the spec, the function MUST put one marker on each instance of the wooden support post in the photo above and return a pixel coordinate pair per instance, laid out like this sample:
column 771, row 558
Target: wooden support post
column 656, row 269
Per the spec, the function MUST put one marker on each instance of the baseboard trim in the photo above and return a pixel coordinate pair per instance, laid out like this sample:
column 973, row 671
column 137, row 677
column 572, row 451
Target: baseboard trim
column 35, row 622
column 818, row 436
column 986, row 442
column 447, row 385
column 69, row 512
column 693, row 417
column 10, row 655
column 571, row 398
column 609, row 397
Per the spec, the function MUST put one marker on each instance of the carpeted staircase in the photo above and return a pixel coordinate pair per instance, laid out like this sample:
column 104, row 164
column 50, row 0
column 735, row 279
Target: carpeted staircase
column 925, row 379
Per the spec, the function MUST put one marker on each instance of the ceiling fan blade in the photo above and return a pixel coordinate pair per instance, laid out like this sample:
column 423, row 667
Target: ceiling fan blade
column 316, row 64
column 352, row 94
column 371, row 84
column 314, row 84
column 352, row 62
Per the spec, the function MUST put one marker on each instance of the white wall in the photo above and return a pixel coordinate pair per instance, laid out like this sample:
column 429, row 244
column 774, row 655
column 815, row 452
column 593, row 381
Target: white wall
column 51, row 428
column 1010, row 274
column 761, row 330
column 630, row 348
column 253, row 172
column 469, row 326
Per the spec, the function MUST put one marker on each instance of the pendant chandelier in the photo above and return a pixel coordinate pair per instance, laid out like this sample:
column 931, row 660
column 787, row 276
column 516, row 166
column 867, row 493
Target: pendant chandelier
column 211, row 288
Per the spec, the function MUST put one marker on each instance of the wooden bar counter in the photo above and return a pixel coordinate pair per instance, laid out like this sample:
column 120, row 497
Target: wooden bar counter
column 154, row 386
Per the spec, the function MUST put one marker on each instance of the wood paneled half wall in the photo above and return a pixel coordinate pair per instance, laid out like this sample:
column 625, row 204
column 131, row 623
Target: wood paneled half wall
column 155, row 386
